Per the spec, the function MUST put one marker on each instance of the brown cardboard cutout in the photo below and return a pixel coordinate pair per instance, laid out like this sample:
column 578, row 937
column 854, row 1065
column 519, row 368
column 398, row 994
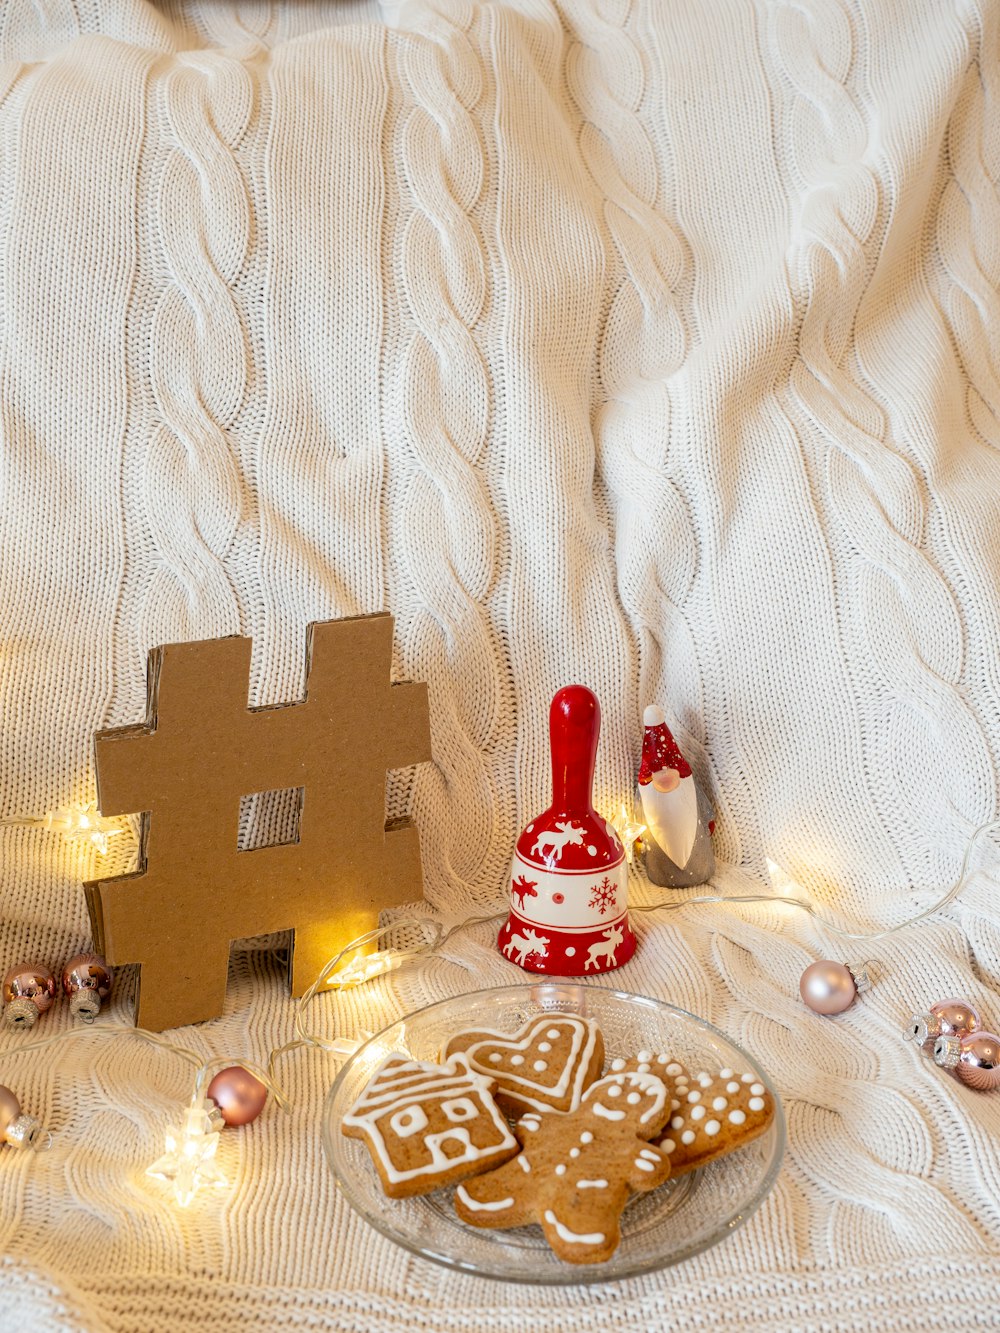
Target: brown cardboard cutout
column 201, row 749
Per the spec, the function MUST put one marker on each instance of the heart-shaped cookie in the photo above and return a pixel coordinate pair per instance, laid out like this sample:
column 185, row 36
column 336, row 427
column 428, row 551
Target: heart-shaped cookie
column 546, row 1066
column 711, row 1114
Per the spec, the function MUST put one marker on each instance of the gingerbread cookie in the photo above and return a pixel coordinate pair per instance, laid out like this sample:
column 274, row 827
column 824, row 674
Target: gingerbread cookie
column 426, row 1125
column 577, row 1171
column 710, row 1114
column 546, row 1066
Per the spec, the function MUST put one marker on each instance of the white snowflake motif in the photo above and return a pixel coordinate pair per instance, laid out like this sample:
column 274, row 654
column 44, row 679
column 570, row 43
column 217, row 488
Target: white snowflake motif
column 603, row 896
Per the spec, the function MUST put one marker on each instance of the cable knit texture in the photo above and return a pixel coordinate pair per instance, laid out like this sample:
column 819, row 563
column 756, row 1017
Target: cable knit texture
column 650, row 345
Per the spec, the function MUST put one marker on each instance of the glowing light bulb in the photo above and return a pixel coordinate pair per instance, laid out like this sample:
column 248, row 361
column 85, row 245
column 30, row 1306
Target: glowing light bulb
column 371, row 965
column 83, row 823
column 187, row 1165
column 629, row 832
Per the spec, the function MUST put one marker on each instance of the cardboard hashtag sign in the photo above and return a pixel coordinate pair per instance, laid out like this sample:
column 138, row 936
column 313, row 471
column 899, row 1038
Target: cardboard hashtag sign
column 187, row 767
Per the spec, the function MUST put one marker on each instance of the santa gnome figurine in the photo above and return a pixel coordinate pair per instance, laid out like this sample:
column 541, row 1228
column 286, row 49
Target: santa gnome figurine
column 678, row 818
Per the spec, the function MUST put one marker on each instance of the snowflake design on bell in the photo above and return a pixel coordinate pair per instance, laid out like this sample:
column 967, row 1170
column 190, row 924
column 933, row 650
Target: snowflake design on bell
column 603, row 896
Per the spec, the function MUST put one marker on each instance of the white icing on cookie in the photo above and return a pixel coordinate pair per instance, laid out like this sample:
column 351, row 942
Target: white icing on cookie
column 572, row 1237
column 592, row 1184
column 698, row 1113
column 474, row 1206
column 712, row 1128
column 644, row 1166
column 719, row 1104
column 607, row 1113
column 687, row 1136
column 756, row 1103
column 732, row 1087
column 737, row 1117
column 398, row 1100
column 524, row 1164
column 725, row 1073
column 586, row 1137
column 668, row 1145
column 576, row 1056
column 757, row 1089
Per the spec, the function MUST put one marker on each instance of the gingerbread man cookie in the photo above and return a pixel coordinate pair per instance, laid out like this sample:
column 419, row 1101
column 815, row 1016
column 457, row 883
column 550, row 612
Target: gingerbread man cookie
column 546, row 1066
column 426, row 1125
column 577, row 1171
column 710, row 1114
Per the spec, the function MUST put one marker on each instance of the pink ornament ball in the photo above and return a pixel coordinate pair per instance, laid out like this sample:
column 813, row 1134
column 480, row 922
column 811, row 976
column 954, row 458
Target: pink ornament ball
column 238, row 1095
column 975, row 1059
column 10, row 1109
column 28, row 990
column 946, row 1018
column 827, row 987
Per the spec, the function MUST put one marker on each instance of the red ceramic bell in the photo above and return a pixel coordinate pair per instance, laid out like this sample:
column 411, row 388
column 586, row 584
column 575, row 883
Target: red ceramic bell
column 569, row 881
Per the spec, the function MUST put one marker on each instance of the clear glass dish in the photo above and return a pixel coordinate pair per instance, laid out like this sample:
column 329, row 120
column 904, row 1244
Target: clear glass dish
column 679, row 1219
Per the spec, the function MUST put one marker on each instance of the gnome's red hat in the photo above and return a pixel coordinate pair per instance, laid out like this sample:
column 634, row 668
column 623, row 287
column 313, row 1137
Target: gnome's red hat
column 659, row 749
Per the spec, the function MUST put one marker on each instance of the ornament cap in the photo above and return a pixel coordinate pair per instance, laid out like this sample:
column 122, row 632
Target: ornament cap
column 862, row 977
column 85, row 1005
column 23, row 1133
column 20, row 1014
column 947, row 1051
column 922, row 1028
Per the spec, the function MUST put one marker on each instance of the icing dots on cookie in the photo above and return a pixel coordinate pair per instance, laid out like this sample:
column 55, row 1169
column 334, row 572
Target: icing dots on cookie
column 546, row 1065
column 718, row 1116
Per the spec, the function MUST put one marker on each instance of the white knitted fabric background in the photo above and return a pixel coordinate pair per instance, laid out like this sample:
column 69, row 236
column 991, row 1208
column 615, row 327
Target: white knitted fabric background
column 653, row 344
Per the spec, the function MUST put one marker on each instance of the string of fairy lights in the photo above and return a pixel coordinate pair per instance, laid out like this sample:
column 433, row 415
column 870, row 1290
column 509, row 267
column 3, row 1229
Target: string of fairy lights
column 227, row 1092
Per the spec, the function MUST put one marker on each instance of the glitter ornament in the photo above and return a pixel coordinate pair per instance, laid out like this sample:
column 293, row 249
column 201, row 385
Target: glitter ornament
column 830, row 988
column 28, row 990
column 569, row 879
column 946, row 1018
column 238, row 1095
column 16, row 1129
column 974, row 1058
column 86, row 979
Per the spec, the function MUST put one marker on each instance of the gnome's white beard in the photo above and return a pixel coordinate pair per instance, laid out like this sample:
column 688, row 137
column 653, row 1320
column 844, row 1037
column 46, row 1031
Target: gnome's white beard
column 672, row 818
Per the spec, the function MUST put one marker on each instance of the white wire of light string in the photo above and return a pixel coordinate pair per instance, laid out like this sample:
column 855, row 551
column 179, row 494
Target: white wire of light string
column 435, row 939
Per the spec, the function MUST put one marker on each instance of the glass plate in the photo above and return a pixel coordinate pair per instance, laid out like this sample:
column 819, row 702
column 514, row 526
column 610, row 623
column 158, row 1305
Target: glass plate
column 669, row 1224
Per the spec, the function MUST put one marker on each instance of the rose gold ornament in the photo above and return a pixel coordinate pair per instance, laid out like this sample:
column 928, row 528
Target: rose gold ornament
column 16, row 1130
column 28, row 990
column 238, row 1095
column 975, row 1058
column 87, row 979
column 830, row 988
column 946, row 1018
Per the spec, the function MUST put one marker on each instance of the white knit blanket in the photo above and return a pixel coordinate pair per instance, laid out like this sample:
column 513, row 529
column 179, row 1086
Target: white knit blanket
column 654, row 345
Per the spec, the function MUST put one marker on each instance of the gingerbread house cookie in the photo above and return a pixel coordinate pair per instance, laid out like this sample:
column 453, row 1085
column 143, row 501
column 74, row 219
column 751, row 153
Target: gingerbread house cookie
column 429, row 1125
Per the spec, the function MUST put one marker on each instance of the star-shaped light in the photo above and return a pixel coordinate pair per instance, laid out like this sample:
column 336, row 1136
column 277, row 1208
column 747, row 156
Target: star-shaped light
column 629, row 832
column 83, row 823
column 187, row 1165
